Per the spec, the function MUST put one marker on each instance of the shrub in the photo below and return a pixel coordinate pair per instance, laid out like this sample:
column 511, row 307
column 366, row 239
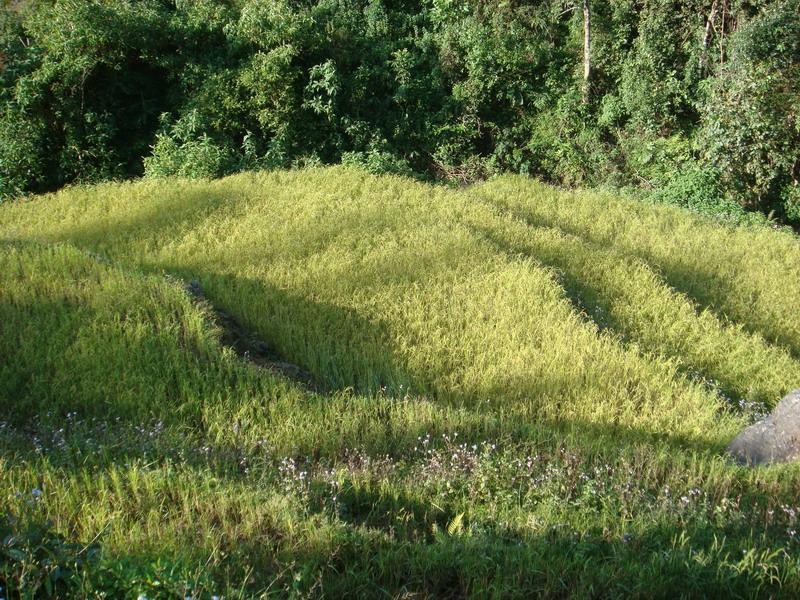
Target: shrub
column 378, row 161
column 35, row 561
column 751, row 129
column 185, row 151
column 699, row 189
column 23, row 165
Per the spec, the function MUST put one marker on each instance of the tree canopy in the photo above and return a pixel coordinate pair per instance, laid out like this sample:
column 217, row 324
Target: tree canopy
column 695, row 102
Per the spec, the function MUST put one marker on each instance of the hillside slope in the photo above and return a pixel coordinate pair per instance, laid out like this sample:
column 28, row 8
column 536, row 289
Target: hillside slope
column 509, row 371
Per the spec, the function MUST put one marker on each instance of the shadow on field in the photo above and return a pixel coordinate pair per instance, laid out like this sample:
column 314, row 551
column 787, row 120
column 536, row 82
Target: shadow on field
column 344, row 350
column 32, row 336
column 383, row 545
column 586, row 301
column 139, row 372
column 63, row 357
column 338, row 346
column 398, row 543
column 379, row 538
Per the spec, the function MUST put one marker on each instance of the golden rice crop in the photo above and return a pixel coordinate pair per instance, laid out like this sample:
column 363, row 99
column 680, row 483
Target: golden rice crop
column 518, row 397
column 749, row 275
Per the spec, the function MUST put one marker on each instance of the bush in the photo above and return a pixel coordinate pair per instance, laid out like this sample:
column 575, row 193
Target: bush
column 378, row 161
column 23, row 165
column 699, row 190
column 791, row 202
column 35, row 561
column 38, row 562
column 654, row 85
column 81, row 91
column 185, row 151
column 751, row 129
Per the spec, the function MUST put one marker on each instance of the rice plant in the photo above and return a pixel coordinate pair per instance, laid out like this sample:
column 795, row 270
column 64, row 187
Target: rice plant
column 504, row 402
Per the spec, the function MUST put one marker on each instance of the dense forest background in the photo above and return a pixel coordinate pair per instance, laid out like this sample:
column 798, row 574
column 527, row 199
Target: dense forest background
column 695, row 102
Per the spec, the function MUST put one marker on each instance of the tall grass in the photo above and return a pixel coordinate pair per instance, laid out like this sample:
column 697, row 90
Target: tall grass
column 374, row 283
column 511, row 409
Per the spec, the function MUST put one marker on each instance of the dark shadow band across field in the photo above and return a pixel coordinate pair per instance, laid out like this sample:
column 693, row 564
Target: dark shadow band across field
column 347, row 350
column 395, row 546
column 164, row 378
column 365, row 361
column 150, row 222
column 309, row 333
column 395, row 540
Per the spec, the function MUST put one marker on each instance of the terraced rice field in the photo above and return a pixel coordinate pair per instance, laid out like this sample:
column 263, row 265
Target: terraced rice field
column 515, row 390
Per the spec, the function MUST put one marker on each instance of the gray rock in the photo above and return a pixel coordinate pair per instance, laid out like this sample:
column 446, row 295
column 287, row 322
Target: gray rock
column 775, row 439
column 195, row 289
column 261, row 347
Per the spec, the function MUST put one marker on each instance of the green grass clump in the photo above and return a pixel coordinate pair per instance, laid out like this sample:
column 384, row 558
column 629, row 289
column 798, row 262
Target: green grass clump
column 505, row 407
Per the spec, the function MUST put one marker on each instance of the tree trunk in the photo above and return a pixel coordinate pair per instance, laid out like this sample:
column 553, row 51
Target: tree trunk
column 587, row 54
column 707, row 34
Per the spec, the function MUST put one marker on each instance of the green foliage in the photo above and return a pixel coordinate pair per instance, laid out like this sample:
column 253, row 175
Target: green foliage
column 456, row 91
column 751, row 129
column 23, row 167
column 655, row 82
column 791, row 202
column 377, row 161
column 35, row 561
column 565, row 150
column 84, row 89
column 700, row 190
column 186, row 150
